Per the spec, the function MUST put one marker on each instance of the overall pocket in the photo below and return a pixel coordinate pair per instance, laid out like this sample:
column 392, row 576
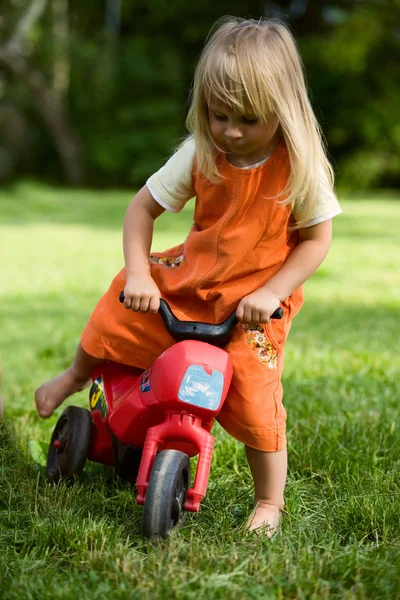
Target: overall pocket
column 277, row 329
column 169, row 258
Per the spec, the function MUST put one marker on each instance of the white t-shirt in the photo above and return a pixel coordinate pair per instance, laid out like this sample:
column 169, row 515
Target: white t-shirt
column 172, row 186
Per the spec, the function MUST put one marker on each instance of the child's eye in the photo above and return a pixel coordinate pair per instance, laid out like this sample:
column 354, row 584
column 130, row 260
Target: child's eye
column 250, row 120
column 220, row 117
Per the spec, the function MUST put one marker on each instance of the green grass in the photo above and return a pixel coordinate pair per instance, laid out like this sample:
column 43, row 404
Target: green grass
column 341, row 530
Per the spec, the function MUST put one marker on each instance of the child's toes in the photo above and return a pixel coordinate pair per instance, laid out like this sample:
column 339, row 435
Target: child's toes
column 42, row 404
column 264, row 520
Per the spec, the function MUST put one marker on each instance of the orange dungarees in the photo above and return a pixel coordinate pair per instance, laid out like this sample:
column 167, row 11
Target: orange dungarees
column 240, row 238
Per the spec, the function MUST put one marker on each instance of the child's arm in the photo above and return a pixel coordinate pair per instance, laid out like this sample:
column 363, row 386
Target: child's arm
column 301, row 264
column 141, row 291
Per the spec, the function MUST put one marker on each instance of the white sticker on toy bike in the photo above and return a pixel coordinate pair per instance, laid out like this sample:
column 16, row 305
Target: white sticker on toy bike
column 201, row 388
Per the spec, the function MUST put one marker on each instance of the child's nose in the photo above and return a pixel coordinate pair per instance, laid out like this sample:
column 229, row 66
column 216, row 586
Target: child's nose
column 233, row 133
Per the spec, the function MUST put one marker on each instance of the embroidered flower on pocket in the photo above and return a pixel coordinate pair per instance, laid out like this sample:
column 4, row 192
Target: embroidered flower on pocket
column 265, row 351
column 167, row 261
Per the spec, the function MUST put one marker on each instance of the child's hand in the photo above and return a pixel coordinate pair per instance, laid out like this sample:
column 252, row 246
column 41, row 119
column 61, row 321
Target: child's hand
column 142, row 294
column 258, row 306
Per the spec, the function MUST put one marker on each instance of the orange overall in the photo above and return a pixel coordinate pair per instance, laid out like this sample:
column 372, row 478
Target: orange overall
column 240, row 238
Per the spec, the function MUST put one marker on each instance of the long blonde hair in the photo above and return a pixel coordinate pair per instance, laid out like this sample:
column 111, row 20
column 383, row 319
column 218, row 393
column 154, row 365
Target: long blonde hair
column 254, row 67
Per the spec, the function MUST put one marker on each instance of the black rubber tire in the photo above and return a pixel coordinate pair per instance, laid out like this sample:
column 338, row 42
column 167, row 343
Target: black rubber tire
column 166, row 494
column 73, row 430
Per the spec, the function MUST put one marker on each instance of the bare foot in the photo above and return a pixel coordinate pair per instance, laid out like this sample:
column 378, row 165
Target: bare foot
column 53, row 393
column 264, row 518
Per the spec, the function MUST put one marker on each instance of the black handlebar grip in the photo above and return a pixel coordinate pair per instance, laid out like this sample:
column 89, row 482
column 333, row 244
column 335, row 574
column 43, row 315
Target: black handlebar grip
column 278, row 314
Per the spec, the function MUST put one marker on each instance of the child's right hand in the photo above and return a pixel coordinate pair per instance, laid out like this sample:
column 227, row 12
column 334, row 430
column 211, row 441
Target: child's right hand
column 142, row 294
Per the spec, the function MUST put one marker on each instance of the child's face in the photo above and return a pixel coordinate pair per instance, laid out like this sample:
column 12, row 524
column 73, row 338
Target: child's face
column 245, row 139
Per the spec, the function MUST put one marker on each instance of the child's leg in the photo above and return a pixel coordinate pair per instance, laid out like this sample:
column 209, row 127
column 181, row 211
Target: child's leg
column 269, row 470
column 53, row 392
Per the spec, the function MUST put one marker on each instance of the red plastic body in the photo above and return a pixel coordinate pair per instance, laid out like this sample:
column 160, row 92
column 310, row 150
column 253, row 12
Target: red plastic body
column 172, row 405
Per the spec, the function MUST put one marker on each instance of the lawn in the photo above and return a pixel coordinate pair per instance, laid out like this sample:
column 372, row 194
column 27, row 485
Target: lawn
column 340, row 536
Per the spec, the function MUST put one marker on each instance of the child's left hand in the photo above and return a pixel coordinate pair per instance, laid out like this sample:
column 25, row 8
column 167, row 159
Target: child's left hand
column 258, row 306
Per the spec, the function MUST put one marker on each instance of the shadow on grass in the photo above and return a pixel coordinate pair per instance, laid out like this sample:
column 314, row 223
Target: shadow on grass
column 346, row 326
column 28, row 203
column 352, row 228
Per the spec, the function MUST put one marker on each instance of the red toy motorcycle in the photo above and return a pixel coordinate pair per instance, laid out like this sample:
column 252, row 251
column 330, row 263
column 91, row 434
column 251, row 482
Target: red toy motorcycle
column 147, row 424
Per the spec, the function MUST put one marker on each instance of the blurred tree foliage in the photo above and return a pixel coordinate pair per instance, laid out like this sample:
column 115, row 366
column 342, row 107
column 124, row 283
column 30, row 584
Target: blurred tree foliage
column 120, row 71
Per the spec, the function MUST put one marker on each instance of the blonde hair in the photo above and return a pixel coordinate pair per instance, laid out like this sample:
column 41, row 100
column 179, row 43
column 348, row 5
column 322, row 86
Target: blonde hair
column 255, row 68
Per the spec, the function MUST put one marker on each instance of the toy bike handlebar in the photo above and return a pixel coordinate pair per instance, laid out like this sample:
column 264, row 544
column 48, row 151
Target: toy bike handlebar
column 217, row 335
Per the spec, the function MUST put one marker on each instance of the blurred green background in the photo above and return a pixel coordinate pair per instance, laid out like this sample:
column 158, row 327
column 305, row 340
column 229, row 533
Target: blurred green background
column 95, row 92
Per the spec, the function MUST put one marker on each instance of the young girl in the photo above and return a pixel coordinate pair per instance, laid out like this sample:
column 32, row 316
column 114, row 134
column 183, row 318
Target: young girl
column 262, row 226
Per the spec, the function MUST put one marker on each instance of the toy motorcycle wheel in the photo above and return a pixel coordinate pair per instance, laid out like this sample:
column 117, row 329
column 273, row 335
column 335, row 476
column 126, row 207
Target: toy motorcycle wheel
column 69, row 445
column 166, row 494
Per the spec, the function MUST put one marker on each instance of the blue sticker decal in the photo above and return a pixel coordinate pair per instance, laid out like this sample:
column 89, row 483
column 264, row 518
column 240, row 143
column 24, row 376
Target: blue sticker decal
column 145, row 381
column 97, row 397
column 200, row 388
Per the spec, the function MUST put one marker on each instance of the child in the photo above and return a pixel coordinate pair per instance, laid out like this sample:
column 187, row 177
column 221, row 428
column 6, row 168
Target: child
column 262, row 226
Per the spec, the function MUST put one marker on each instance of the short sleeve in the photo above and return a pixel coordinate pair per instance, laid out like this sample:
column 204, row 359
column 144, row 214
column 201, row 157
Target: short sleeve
column 172, row 185
column 326, row 207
